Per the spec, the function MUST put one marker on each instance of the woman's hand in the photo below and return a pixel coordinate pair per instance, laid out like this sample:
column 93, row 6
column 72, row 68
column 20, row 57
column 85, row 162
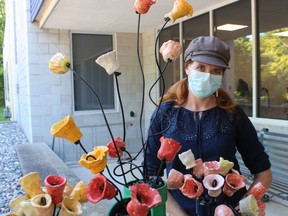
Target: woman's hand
column 173, row 208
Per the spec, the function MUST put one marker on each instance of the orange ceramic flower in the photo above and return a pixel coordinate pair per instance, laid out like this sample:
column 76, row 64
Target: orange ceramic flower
column 168, row 149
column 170, row 50
column 181, row 8
column 175, row 179
column 99, row 188
column 198, row 170
column 233, row 183
column 257, row 190
column 191, row 188
column 67, row 129
column 55, row 186
column 59, row 64
column 143, row 198
column 120, row 144
column 142, row 6
column 95, row 161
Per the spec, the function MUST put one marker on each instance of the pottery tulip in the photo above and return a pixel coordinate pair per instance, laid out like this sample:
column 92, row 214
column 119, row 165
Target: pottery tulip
column 180, row 9
column 15, row 203
column 31, row 184
column 233, row 183
column 79, row 192
column 187, row 158
column 225, row 166
column 42, row 204
column 170, row 50
column 67, row 190
column 99, row 188
column 175, row 179
column 223, row 210
column 112, row 150
column 248, row 206
column 67, row 129
column 168, row 149
column 95, row 161
column 109, row 62
column 211, row 167
column 59, row 64
column 213, row 183
column 257, row 190
column 261, row 207
column 143, row 6
column 55, row 185
column 191, row 188
column 143, row 198
column 70, row 207
column 198, row 169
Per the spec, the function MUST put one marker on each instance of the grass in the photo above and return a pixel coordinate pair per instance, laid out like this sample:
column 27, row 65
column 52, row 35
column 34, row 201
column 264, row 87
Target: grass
column 2, row 115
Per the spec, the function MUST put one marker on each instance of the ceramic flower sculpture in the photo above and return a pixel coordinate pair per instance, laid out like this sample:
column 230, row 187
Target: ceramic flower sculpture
column 223, row 210
column 143, row 6
column 15, row 203
column 109, row 62
column 99, row 188
column 67, row 129
column 187, row 158
column 213, row 183
column 31, row 184
column 175, row 179
column 42, row 205
column 59, row 64
column 55, row 185
column 198, row 169
column 257, row 190
column 70, row 207
column 95, row 161
column 191, row 187
column 170, row 50
column 79, row 192
column 168, row 149
column 225, row 166
column 143, row 198
column 248, row 206
column 233, row 183
column 120, row 144
column 181, row 8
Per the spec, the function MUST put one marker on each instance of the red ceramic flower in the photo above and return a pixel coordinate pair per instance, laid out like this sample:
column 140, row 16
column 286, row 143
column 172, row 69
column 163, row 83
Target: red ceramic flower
column 168, row 149
column 261, row 207
column 198, row 170
column 191, row 188
column 175, row 179
column 120, row 144
column 143, row 198
column 99, row 188
column 233, row 183
column 257, row 190
column 142, row 6
column 55, row 186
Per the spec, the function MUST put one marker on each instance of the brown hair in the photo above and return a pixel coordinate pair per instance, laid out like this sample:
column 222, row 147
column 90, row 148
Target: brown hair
column 179, row 92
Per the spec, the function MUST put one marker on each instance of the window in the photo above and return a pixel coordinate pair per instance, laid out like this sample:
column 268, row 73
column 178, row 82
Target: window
column 238, row 79
column 273, row 62
column 86, row 49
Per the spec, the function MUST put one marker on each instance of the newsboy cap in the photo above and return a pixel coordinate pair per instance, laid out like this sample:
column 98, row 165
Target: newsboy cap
column 208, row 50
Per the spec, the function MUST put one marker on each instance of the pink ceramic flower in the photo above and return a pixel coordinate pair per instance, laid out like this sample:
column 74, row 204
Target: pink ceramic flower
column 120, row 144
column 198, row 170
column 211, row 167
column 168, row 149
column 99, row 188
column 257, row 190
column 191, row 188
column 213, row 183
column 175, row 179
column 142, row 6
column 170, row 50
column 223, row 210
column 233, row 183
column 55, row 186
column 143, row 198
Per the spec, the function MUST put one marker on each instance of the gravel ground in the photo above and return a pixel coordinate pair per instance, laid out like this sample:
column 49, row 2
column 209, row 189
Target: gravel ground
column 10, row 135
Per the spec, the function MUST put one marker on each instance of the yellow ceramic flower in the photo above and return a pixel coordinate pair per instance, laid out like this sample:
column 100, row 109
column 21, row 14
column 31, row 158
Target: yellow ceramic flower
column 70, row 207
column 79, row 192
column 95, row 161
column 67, row 190
column 181, row 8
column 42, row 204
column 225, row 166
column 31, row 184
column 15, row 203
column 59, row 64
column 67, row 129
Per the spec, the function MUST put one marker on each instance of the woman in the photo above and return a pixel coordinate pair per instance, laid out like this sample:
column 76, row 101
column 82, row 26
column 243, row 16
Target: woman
column 201, row 116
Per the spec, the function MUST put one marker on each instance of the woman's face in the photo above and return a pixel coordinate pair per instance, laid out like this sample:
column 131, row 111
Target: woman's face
column 205, row 68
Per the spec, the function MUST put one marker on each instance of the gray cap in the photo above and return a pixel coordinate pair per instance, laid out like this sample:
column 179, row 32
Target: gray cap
column 208, row 50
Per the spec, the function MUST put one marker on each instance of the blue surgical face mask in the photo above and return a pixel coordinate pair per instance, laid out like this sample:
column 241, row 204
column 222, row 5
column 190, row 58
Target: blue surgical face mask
column 203, row 84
